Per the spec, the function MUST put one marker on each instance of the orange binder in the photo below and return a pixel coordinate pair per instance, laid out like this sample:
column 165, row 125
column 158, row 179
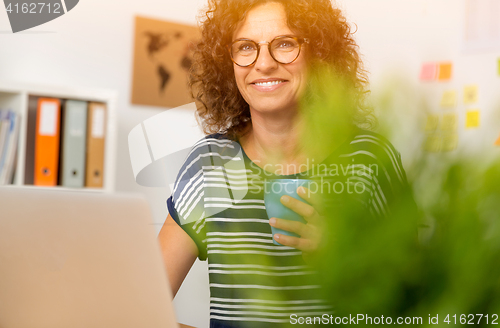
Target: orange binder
column 47, row 142
column 96, row 137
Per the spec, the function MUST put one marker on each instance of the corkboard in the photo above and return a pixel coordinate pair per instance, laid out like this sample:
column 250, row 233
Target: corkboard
column 162, row 58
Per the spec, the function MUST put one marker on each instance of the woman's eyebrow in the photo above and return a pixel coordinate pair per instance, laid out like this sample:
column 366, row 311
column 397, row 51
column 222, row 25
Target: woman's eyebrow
column 281, row 35
column 244, row 39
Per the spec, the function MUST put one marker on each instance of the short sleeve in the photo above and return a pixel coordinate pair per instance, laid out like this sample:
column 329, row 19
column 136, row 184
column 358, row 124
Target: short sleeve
column 387, row 182
column 195, row 229
column 203, row 180
column 186, row 205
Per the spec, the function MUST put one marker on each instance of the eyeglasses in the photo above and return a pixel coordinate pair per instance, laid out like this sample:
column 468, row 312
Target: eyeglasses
column 284, row 49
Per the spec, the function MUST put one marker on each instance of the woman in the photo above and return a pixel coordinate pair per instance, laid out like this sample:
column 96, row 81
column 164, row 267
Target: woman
column 252, row 69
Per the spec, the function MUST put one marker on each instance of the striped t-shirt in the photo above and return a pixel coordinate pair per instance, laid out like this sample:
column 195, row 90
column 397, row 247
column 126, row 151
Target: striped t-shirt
column 218, row 199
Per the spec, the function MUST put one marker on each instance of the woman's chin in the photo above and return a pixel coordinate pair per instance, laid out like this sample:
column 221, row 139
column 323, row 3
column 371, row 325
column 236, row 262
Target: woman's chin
column 270, row 110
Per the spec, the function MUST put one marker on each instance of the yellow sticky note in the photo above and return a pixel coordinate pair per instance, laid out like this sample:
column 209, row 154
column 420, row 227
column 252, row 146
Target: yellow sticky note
column 445, row 71
column 432, row 122
column 449, row 99
column 472, row 119
column 432, row 143
column 449, row 122
column 471, row 94
column 449, row 142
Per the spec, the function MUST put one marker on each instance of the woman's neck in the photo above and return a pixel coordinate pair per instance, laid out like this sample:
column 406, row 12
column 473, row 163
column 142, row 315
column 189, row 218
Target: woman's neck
column 273, row 143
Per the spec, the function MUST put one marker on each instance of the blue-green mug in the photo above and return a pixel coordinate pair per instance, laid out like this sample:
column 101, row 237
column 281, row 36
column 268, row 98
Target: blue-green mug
column 274, row 190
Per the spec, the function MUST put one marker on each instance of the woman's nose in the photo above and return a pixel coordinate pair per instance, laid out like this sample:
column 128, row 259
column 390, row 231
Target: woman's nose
column 265, row 62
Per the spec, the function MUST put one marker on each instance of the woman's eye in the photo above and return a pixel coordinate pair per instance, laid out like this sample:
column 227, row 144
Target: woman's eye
column 246, row 47
column 285, row 44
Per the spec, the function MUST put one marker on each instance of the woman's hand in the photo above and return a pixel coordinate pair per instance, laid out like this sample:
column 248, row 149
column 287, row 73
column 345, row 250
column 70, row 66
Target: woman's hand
column 311, row 233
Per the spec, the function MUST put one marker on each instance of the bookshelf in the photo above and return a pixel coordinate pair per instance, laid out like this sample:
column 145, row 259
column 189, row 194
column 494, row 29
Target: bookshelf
column 19, row 97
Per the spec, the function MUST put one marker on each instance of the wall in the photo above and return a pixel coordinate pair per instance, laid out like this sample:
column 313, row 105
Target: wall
column 397, row 37
column 92, row 45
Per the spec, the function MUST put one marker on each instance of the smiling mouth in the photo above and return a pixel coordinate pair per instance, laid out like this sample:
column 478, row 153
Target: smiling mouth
column 268, row 84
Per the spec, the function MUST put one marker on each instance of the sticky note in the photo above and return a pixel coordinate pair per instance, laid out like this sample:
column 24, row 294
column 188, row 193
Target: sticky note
column 432, row 143
column 428, row 72
column 445, row 70
column 449, row 122
column 449, row 99
column 471, row 94
column 449, row 142
column 432, row 122
column 472, row 119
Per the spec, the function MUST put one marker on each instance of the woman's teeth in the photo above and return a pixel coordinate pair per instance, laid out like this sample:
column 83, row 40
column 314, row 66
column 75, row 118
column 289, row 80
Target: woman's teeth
column 267, row 84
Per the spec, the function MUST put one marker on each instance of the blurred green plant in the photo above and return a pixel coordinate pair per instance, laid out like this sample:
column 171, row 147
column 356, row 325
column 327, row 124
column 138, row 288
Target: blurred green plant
column 443, row 258
column 380, row 268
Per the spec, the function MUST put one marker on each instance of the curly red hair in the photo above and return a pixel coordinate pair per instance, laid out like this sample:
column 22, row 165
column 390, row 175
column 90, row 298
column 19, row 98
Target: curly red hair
column 220, row 104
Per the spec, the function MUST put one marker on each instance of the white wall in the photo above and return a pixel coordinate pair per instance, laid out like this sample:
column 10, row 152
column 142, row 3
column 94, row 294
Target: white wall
column 397, row 37
column 92, row 45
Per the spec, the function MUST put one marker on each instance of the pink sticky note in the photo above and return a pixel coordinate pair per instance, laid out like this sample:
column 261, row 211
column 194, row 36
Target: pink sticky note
column 428, row 72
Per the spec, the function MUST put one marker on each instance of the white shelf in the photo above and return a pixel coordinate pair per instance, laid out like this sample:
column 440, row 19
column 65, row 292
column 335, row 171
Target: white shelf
column 15, row 96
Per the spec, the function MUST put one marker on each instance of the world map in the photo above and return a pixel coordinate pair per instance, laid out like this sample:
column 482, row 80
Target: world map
column 156, row 43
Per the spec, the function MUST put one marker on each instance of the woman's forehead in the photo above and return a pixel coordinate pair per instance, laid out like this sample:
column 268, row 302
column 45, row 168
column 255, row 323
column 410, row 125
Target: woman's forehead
column 263, row 23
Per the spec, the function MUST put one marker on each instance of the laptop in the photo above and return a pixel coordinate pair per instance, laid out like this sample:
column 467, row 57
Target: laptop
column 80, row 259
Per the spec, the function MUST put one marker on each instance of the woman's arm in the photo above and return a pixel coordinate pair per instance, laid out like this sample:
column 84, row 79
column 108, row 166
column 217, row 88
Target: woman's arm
column 179, row 252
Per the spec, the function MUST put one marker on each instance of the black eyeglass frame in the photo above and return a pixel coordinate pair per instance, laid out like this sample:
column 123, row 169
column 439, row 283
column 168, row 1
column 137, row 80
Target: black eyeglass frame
column 299, row 40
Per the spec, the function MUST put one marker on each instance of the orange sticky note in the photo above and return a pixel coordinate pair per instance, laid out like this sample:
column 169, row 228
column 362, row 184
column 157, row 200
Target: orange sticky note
column 428, row 72
column 472, row 119
column 445, row 70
